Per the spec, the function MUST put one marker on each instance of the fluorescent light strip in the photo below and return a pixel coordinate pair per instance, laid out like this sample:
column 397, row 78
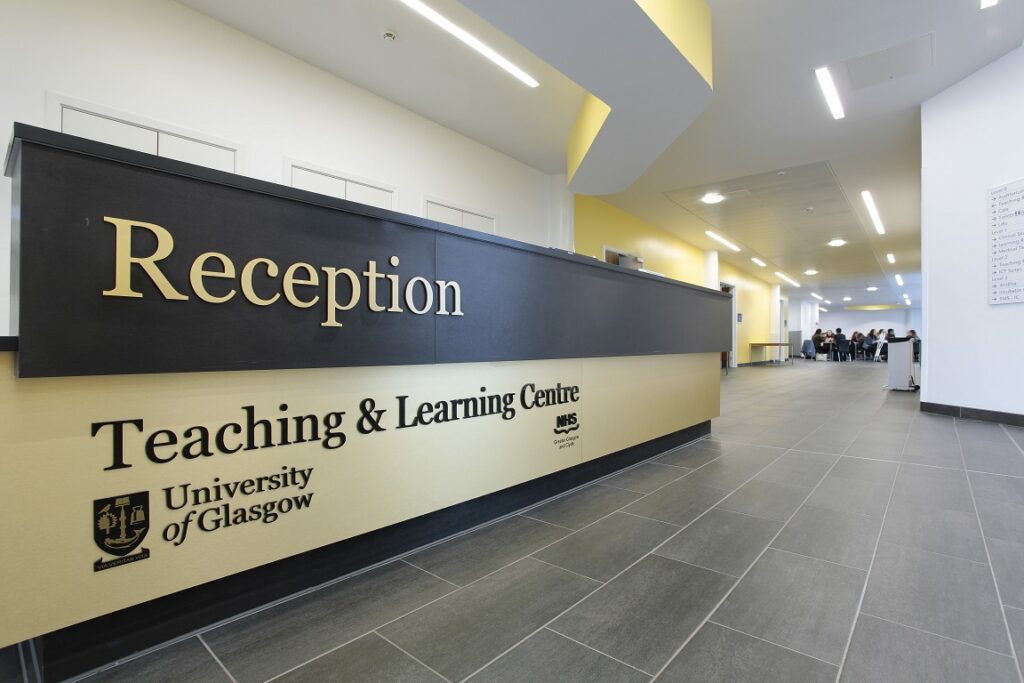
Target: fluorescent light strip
column 783, row 276
column 872, row 289
column 470, row 40
column 721, row 240
column 891, row 258
column 818, row 296
column 822, row 309
column 828, row 89
column 869, row 202
column 759, row 262
column 908, row 302
column 810, row 272
column 713, row 198
column 847, row 298
column 985, row 4
column 828, row 302
column 899, row 279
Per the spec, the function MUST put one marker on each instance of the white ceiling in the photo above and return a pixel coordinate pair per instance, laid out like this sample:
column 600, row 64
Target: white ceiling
column 766, row 114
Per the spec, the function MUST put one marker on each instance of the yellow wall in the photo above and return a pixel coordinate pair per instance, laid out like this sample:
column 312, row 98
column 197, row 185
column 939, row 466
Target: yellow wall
column 599, row 224
column 753, row 300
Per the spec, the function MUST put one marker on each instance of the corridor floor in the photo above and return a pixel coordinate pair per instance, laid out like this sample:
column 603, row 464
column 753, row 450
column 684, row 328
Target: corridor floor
column 827, row 530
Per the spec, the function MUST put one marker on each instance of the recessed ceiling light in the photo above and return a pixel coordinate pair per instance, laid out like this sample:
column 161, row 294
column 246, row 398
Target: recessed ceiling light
column 869, row 202
column 908, row 302
column 847, row 298
column 713, row 198
column 828, row 302
column 985, row 4
column 759, row 262
column 810, row 272
column 899, row 279
column 718, row 238
column 787, row 278
column 470, row 40
column 837, row 242
column 822, row 309
column 818, row 296
column 891, row 258
column 872, row 289
column 828, row 89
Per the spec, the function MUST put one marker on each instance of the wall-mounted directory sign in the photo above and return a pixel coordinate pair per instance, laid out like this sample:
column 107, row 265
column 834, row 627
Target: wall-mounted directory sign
column 1006, row 244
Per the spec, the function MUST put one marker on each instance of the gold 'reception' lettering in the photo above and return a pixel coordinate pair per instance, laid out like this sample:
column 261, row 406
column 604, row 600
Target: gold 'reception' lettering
column 215, row 279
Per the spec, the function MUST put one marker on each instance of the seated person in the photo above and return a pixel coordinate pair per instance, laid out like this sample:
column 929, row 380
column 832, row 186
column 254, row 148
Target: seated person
column 818, row 340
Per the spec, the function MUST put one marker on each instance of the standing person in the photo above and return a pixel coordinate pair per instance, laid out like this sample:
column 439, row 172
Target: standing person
column 837, row 339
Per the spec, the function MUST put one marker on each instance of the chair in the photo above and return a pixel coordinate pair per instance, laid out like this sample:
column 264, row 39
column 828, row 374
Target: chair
column 844, row 348
column 808, row 351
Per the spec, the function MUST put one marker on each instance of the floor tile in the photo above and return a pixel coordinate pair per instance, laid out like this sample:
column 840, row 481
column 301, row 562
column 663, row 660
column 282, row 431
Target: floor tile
column 947, row 596
column 279, row 638
column 751, row 455
column 797, row 469
column 945, row 454
column 462, row 632
column 884, row 651
column 548, row 657
column 939, row 530
column 1015, row 621
column 824, row 442
column 804, row 604
column 366, row 660
column 184, row 662
column 1006, row 460
column 646, row 477
column 695, row 455
column 721, row 655
column 606, row 548
column 678, row 503
column 888, row 447
column 765, row 499
column 839, row 537
column 863, row 469
column 1001, row 520
column 977, row 430
column 998, row 488
column 466, row 558
column 850, row 495
column 722, row 541
column 582, row 507
column 644, row 615
column 723, row 475
column 1008, row 565
column 932, row 487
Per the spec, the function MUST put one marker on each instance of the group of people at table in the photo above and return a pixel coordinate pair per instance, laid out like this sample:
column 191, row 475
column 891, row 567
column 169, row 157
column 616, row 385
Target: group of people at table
column 870, row 346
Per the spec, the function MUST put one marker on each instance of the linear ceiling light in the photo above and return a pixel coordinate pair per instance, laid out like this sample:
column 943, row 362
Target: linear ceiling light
column 899, row 279
column 828, row 302
column 722, row 240
column 759, row 262
column 891, row 258
column 869, row 202
column 847, row 298
column 828, row 89
column 787, row 278
column 470, row 40
column 822, row 309
column 985, row 4
column 713, row 198
column 819, row 297
column 872, row 289
column 837, row 242
column 810, row 272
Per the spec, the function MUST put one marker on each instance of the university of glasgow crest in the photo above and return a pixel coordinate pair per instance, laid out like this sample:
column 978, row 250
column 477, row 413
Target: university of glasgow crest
column 119, row 526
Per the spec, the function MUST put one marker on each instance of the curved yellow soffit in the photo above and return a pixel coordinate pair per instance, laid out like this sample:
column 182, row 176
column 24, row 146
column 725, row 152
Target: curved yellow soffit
column 646, row 65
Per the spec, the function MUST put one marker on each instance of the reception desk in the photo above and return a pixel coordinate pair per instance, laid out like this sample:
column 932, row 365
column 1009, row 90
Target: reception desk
column 225, row 390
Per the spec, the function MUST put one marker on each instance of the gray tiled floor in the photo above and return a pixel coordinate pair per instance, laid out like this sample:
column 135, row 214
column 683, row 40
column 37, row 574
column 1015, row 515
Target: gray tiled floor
column 851, row 538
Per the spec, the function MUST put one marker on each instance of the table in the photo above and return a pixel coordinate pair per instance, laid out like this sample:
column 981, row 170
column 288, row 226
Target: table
column 766, row 345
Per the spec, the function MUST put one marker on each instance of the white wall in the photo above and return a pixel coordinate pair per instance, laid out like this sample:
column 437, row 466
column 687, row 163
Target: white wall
column 864, row 321
column 972, row 137
column 164, row 62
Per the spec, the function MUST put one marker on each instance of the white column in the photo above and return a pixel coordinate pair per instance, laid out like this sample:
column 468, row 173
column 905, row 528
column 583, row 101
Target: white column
column 711, row 279
column 775, row 320
column 561, row 213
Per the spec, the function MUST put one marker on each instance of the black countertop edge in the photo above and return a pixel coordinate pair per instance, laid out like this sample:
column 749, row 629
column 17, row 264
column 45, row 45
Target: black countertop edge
column 8, row 343
column 48, row 138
